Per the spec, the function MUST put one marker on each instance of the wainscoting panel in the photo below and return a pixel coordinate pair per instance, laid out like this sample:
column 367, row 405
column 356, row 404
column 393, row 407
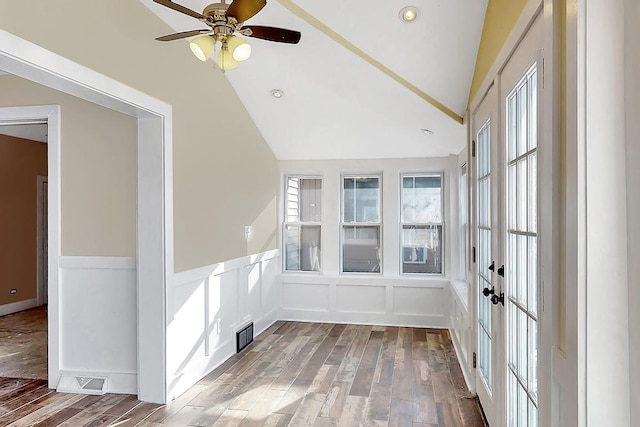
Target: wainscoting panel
column 206, row 306
column 98, row 335
column 361, row 299
column 305, row 296
column 396, row 301
column 461, row 330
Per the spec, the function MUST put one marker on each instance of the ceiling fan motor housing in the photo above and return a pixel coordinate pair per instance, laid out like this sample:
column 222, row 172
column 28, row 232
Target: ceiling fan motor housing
column 222, row 27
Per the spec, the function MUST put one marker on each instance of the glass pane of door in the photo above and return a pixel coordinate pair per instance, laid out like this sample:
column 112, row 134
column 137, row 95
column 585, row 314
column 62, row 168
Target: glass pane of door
column 522, row 260
column 484, row 255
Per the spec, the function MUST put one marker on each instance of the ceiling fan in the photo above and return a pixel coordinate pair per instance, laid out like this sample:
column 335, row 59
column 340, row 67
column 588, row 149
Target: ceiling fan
column 224, row 20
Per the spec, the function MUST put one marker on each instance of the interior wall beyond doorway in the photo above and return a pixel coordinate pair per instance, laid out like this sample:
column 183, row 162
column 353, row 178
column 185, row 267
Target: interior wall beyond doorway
column 21, row 161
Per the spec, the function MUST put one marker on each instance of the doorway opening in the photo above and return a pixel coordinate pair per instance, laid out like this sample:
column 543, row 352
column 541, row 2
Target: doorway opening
column 23, row 265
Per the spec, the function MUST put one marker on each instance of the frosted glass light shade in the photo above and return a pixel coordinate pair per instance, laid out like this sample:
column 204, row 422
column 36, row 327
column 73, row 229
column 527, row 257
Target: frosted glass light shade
column 226, row 61
column 202, row 47
column 239, row 48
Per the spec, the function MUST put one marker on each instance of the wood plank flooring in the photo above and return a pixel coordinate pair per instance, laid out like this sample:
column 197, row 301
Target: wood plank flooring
column 294, row 374
column 23, row 344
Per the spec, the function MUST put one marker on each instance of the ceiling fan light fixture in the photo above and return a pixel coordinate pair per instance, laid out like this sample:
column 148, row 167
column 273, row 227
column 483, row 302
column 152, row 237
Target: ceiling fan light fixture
column 226, row 61
column 202, row 47
column 239, row 48
column 408, row 14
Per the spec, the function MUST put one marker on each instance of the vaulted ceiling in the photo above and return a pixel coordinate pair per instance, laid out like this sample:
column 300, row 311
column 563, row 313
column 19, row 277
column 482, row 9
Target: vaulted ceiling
column 361, row 83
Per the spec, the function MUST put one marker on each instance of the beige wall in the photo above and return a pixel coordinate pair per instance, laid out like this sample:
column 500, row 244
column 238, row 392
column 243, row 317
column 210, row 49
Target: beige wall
column 21, row 161
column 225, row 175
column 98, row 170
column 499, row 20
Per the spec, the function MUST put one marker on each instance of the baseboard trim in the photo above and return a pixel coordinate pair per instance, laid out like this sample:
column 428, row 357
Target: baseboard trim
column 117, row 382
column 15, row 307
column 353, row 318
column 464, row 365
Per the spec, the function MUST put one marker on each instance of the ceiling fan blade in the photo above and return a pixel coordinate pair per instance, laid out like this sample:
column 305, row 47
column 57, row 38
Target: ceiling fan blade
column 245, row 9
column 182, row 35
column 273, row 34
column 181, row 9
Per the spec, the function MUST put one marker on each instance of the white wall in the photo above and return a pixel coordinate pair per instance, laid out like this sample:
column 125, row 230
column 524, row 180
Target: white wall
column 388, row 298
column 607, row 322
column 206, row 306
column 632, row 91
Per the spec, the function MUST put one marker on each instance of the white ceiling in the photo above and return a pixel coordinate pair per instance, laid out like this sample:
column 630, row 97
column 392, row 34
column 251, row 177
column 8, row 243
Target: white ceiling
column 336, row 104
column 32, row 131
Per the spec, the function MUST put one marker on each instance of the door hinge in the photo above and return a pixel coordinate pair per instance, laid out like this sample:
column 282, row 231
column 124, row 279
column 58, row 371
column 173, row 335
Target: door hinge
column 473, row 148
column 542, row 73
column 473, row 254
column 474, row 360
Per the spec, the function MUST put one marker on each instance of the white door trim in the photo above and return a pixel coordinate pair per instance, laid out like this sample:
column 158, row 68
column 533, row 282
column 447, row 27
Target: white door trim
column 154, row 203
column 40, row 271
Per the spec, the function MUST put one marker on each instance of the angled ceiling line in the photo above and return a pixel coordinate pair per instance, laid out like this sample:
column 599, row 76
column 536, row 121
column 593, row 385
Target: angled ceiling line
column 320, row 26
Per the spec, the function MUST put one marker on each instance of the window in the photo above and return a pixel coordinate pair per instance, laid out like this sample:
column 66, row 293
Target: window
column 361, row 224
column 302, row 228
column 421, row 223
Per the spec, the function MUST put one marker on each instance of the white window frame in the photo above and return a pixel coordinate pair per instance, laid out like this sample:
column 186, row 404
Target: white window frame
column 286, row 223
column 344, row 224
column 421, row 224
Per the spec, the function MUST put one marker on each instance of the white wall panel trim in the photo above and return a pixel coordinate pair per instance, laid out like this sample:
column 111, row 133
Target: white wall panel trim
column 207, row 305
column 221, row 267
column 98, row 262
column 394, row 301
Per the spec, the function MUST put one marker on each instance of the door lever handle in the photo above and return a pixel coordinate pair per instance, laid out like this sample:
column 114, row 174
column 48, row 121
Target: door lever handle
column 492, row 267
column 501, row 271
column 486, row 291
column 498, row 299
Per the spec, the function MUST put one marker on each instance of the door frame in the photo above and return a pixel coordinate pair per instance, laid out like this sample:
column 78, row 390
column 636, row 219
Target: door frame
column 154, row 231
column 41, row 271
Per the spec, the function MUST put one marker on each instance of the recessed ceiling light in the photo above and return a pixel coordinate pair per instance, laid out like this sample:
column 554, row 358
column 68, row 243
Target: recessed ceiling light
column 277, row 93
column 427, row 131
column 408, row 14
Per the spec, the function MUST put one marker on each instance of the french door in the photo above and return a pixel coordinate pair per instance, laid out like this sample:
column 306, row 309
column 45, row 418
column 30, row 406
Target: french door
column 505, row 127
column 488, row 320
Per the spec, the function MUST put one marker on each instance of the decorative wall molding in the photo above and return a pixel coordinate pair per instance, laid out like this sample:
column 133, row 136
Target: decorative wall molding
column 461, row 330
column 394, row 301
column 98, row 262
column 98, row 322
column 221, row 267
column 207, row 305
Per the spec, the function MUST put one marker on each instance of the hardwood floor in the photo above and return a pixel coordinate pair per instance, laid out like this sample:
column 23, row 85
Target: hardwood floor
column 294, row 374
column 23, row 344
